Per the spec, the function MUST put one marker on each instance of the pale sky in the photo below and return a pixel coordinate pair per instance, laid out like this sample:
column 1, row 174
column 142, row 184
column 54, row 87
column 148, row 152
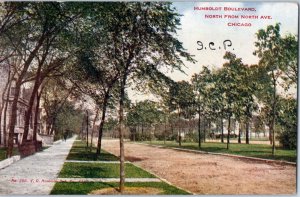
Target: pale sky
column 195, row 27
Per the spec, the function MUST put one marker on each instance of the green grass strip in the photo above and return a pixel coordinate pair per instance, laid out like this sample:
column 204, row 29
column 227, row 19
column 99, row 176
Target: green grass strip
column 79, row 151
column 101, row 170
column 250, row 150
column 86, row 188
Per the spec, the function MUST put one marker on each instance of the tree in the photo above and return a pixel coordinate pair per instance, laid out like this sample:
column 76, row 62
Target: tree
column 94, row 72
column 55, row 95
column 247, row 103
column 96, row 117
column 181, row 99
column 54, row 65
column 230, row 89
column 144, row 113
column 268, row 49
column 142, row 35
column 100, row 82
column 203, row 84
column 45, row 22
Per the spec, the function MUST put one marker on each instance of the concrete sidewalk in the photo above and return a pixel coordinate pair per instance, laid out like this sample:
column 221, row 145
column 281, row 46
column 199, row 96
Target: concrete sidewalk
column 35, row 174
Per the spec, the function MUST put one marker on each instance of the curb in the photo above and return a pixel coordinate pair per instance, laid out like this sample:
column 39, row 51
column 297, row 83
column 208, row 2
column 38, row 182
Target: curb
column 7, row 162
column 81, row 161
column 225, row 154
column 108, row 180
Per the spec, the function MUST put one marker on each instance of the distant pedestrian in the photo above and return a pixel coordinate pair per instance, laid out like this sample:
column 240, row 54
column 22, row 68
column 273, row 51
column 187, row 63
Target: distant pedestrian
column 65, row 136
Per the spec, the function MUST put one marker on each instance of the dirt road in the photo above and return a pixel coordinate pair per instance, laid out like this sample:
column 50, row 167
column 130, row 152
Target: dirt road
column 210, row 174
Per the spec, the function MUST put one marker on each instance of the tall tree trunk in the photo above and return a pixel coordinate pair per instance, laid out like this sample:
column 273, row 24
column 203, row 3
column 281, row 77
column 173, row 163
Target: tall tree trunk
column 273, row 112
column 142, row 137
column 5, row 116
column 240, row 131
column 270, row 134
column 222, row 131
column 204, row 129
column 104, row 107
column 14, row 107
column 52, row 125
column 179, row 130
column 209, row 126
column 199, row 129
column 81, row 130
column 28, row 113
column 48, row 127
column 94, row 124
column 179, row 136
column 134, row 134
column 121, row 134
column 13, row 119
column 37, row 107
column 249, row 115
column 165, row 130
column 247, row 130
column 228, row 131
column 87, row 128
column 138, row 132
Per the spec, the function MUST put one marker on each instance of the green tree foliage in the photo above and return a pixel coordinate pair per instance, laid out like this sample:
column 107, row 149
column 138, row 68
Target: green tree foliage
column 203, row 84
column 143, row 114
column 68, row 119
column 39, row 23
column 287, row 121
column 230, row 86
column 275, row 57
column 182, row 99
column 289, row 66
column 55, row 96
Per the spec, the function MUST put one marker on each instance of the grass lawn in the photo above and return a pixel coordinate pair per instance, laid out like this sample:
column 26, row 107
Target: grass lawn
column 3, row 153
column 80, row 152
column 85, row 188
column 250, row 150
column 101, row 170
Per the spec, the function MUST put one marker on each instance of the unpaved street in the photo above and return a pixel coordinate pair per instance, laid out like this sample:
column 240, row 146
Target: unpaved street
column 210, row 174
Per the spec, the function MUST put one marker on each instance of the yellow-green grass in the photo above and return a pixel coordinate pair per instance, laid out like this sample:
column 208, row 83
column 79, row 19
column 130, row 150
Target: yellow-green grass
column 250, row 150
column 86, row 188
column 79, row 151
column 101, row 170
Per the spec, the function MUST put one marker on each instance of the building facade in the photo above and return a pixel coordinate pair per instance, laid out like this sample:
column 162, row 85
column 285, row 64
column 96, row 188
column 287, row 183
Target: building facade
column 7, row 92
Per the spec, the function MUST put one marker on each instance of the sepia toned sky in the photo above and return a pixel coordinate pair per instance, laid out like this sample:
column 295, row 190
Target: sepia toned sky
column 195, row 27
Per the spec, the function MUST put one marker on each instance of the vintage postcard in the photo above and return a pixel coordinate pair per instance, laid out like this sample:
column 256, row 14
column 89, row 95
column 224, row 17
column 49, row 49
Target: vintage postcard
column 148, row 98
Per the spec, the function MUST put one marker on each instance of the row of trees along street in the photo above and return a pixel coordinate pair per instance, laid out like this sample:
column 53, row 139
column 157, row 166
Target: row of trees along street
column 93, row 49
column 71, row 53
column 240, row 95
